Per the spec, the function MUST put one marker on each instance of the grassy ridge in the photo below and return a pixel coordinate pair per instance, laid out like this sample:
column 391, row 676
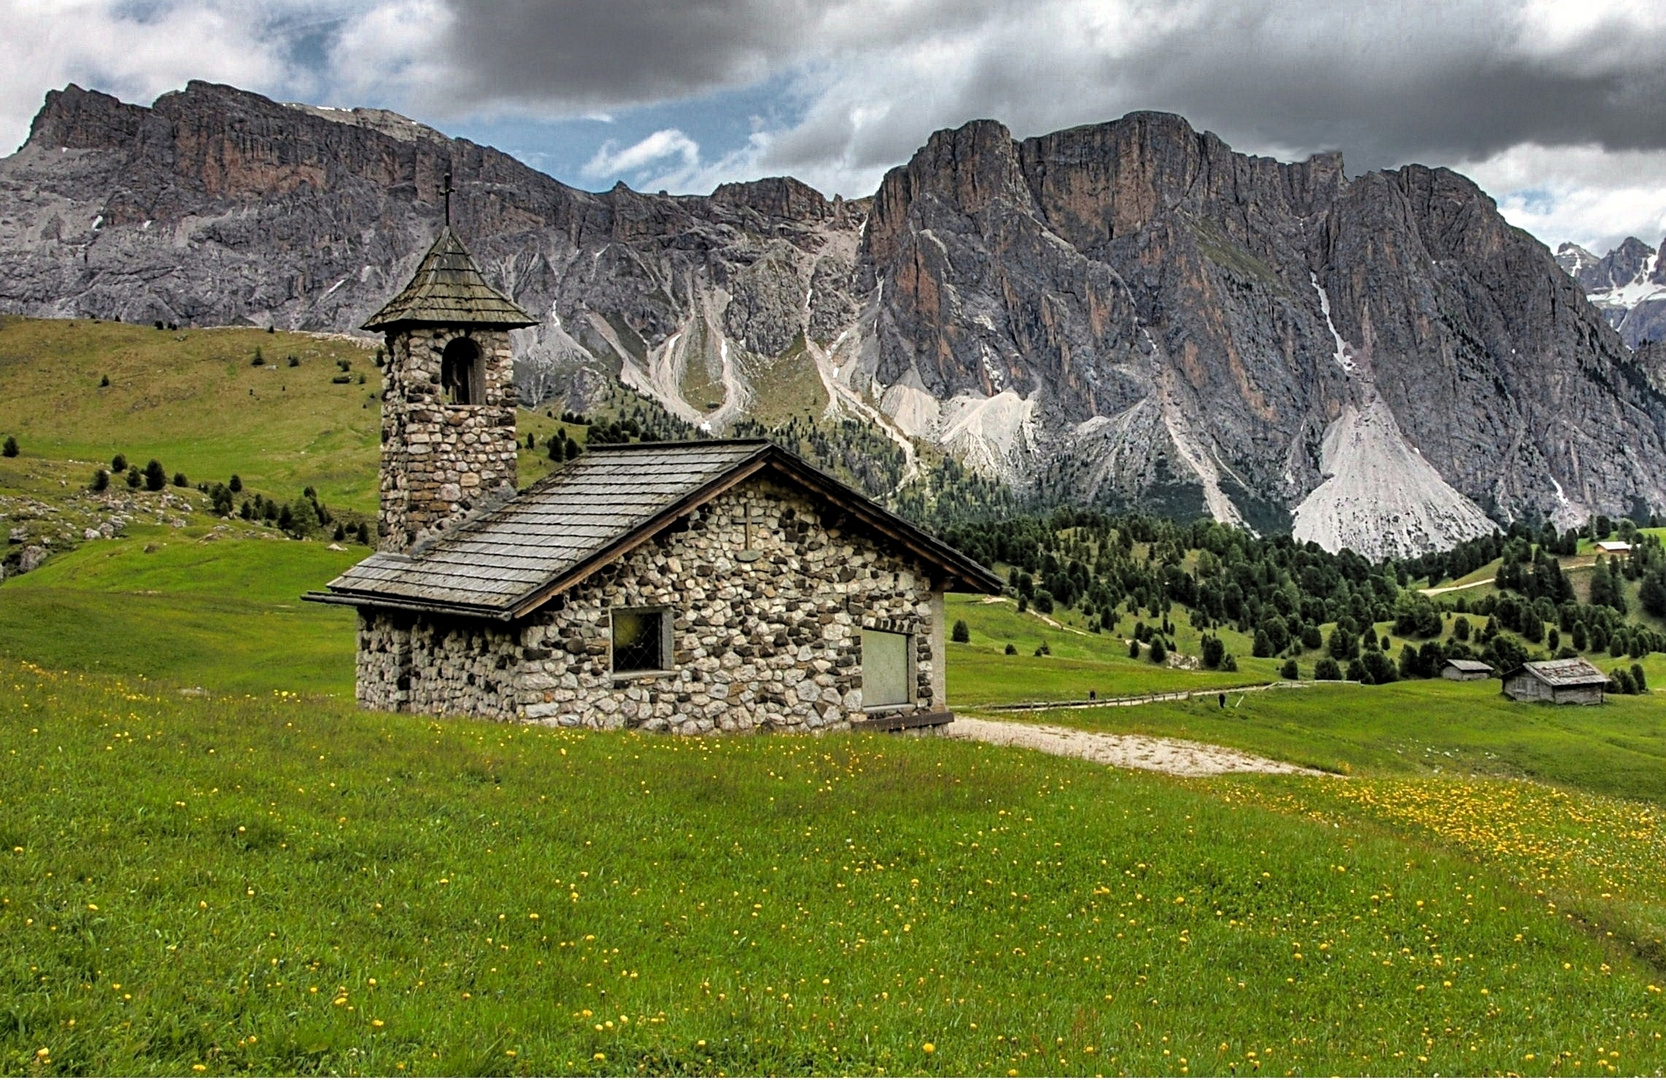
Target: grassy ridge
column 278, row 884
column 193, row 400
column 169, row 605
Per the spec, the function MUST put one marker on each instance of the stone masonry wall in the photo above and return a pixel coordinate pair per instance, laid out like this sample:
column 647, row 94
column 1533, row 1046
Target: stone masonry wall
column 439, row 460
column 440, row 667
column 764, row 644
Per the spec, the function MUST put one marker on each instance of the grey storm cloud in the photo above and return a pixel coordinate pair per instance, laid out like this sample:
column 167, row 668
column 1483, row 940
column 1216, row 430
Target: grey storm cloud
column 1386, row 83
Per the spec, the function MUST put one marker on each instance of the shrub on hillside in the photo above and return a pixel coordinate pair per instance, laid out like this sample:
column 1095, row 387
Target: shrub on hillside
column 258, row 359
column 1378, row 667
column 118, row 464
column 1277, row 632
column 180, row 481
column 1342, row 645
column 1415, row 616
column 101, row 480
column 135, row 478
column 1012, row 650
column 1290, row 670
column 1159, row 651
column 961, row 633
column 156, row 477
column 10, row 449
column 1229, row 663
column 1327, row 670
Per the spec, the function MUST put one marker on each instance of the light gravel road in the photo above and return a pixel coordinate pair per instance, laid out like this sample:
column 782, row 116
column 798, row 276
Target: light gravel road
column 1178, row 757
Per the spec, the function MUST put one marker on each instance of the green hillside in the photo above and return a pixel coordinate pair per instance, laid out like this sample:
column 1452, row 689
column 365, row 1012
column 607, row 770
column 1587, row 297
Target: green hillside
column 194, row 400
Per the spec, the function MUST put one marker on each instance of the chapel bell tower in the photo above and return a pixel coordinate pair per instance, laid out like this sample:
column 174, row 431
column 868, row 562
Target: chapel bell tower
column 448, row 396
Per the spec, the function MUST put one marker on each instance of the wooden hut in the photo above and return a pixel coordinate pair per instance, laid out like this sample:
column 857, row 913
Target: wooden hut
column 1560, row 682
column 1466, row 670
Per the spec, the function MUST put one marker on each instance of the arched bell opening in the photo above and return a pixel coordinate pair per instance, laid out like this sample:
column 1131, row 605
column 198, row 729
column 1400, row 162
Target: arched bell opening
column 462, row 375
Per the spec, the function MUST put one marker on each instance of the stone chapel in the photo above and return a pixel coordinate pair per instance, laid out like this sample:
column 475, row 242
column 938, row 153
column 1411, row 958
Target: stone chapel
column 714, row 585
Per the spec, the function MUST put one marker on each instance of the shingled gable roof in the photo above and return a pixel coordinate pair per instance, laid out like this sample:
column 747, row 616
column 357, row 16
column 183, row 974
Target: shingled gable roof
column 507, row 562
column 1576, row 671
column 447, row 289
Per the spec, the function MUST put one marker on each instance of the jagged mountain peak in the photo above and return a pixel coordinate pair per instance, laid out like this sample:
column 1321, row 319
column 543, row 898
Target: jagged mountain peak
column 1128, row 313
column 1628, row 285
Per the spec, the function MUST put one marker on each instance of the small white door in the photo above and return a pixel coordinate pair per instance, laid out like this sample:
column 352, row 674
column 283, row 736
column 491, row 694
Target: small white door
column 885, row 669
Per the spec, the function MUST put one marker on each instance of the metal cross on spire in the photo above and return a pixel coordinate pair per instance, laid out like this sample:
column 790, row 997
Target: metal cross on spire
column 448, row 198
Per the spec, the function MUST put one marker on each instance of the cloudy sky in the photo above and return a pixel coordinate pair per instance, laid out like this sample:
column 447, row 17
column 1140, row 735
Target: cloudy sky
column 1557, row 107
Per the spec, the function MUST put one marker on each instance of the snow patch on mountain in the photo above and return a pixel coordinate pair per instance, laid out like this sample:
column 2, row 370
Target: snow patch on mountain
column 1343, row 355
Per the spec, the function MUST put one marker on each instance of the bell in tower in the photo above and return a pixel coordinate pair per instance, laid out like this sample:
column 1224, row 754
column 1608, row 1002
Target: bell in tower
column 448, row 396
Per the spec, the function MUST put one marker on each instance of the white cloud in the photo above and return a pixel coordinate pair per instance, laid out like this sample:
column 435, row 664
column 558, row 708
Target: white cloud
column 396, row 52
column 669, row 160
column 1591, row 196
column 103, row 44
column 610, row 160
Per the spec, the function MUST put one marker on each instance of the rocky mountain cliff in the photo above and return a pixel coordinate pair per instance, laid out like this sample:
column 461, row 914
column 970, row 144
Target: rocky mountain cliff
column 1628, row 285
column 1127, row 314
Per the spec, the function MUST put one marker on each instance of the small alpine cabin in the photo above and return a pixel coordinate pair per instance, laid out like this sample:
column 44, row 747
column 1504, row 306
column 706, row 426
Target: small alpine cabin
column 715, row 585
column 1561, row 682
column 1466, row 670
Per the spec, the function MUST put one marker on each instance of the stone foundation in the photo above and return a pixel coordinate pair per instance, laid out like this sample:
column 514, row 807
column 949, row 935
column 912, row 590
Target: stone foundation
column 765, row 617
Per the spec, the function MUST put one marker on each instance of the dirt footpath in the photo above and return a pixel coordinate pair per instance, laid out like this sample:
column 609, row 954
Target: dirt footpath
column 1176, row 756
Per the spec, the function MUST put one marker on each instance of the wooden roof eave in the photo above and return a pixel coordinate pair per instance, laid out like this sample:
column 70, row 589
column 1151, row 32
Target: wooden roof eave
column 380, row 601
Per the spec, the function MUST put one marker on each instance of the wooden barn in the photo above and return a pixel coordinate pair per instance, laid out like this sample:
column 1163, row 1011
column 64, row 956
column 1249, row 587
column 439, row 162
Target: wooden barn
column 1560, row 682
column 716, row 585
column 1466, row 670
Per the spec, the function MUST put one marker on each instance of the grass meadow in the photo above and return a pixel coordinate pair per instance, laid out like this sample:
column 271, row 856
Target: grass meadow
column 254, row 876
column 275, row 883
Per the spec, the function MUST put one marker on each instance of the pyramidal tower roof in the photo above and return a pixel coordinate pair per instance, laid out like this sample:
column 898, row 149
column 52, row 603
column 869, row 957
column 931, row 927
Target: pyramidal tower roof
column 447, row 289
